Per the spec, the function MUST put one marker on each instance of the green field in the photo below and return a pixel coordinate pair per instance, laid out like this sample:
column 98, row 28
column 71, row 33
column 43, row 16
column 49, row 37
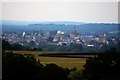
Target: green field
column 27, row 52
column 60, row 61
column 64, row 62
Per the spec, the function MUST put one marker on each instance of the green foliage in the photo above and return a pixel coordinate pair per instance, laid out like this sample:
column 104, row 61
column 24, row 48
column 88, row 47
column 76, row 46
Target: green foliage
column 5, row 45
column 15, row 46
column 25, row 67
column 54, row 72
column 32, row 43
column 18, row 67
column 105, row 66
column 76, row 47
column 76, row 75
column 63, row 48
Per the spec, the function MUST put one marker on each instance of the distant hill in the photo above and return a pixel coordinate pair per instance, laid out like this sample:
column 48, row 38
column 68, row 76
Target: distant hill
column 66, row 26
column 6, row 22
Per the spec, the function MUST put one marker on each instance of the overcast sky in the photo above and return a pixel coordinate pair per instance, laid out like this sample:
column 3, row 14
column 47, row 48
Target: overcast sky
column 61, row 11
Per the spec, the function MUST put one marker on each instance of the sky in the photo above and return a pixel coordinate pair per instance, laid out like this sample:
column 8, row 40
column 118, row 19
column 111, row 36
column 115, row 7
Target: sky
column 92, row 12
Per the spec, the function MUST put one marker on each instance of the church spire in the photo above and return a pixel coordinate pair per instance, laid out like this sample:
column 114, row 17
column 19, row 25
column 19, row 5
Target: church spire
column 74, row 30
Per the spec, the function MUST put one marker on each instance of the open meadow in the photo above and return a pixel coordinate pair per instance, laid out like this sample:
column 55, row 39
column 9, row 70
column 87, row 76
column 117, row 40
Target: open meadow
column 64, row 62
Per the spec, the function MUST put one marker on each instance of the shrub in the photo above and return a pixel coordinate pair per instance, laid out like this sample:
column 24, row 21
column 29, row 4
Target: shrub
column 105, row 66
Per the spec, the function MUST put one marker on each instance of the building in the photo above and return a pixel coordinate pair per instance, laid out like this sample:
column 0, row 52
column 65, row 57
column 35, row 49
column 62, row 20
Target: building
column 59, row 36
column 73, row 33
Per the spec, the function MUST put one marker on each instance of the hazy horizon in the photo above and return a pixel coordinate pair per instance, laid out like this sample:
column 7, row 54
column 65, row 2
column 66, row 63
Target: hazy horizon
column 18, row 22
column 90, row 12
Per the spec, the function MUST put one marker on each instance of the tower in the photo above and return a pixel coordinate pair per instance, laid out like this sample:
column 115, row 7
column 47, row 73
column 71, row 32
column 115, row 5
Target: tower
column 74, row 30
column 104, row 37
column 73, row 33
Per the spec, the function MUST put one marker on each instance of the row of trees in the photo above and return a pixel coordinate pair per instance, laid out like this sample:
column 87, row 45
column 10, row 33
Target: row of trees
column 15, row 46
column 105, row 66
column 64, row 48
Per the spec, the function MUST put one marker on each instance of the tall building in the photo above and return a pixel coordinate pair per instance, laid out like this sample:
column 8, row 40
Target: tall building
column 73, row 33
column 104, row 38
column 23, row 34
column 74, row 30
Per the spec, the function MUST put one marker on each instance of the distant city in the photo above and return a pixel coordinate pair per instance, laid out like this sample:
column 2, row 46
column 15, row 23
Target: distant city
column 59, row 38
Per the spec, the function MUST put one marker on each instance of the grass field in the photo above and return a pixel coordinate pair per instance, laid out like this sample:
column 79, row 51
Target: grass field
column 27, row 52
column 60, row 61
column 64, row 62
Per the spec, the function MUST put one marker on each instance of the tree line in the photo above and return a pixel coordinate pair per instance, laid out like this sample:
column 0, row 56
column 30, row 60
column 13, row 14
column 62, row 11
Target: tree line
column 15, row 46
column 105, row 66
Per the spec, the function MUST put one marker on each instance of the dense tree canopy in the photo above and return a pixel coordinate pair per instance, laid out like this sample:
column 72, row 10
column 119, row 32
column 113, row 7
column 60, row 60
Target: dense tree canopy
column 18, row 67
column 16, row 46
column 25, row 67
column 105, row 66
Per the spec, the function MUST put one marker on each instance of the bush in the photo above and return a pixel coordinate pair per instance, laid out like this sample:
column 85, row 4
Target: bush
column 54, row 72
column 18, row 67
column 25, row 67
column 105, row 66
column 76, row 75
